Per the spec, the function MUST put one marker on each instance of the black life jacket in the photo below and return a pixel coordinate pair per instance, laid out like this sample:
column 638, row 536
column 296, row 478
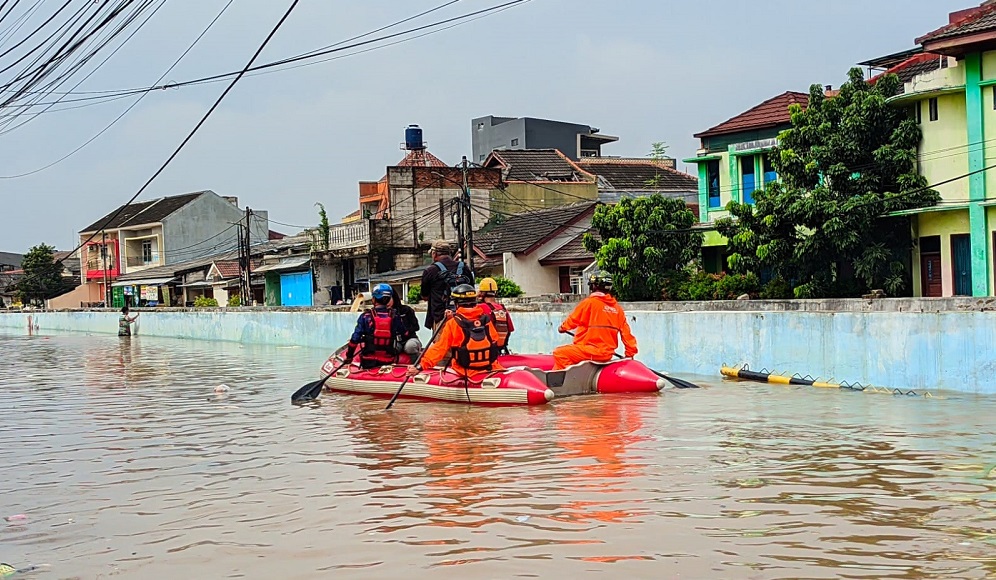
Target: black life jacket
column 499, row 317
column 479, row 349
column 380, row 346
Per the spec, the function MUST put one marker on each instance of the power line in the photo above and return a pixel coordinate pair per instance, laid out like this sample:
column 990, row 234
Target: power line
column 196, row 127
column 130, row 107
column 332, row 49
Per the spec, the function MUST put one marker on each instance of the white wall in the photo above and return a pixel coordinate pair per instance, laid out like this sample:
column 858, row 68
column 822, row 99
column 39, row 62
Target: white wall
column 526, row 271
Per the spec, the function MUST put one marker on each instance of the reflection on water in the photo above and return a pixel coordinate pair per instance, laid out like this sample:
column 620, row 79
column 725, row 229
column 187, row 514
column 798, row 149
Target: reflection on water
column 126, row 462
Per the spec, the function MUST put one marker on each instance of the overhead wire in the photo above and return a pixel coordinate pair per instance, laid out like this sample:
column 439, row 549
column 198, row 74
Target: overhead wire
column 332, row 49
column 196, row 128
column 130, row 107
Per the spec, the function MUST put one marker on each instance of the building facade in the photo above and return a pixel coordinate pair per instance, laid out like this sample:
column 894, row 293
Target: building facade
column 733, row 163
column 514, row 133
column 160, row 232
column 537, row 179
column 952, row 94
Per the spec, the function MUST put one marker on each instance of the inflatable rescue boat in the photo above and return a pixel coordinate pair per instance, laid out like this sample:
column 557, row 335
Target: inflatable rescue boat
column 526, row 380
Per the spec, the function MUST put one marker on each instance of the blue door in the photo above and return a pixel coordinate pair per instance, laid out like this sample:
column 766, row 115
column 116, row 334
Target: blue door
column 295, row 289
column 961, row 264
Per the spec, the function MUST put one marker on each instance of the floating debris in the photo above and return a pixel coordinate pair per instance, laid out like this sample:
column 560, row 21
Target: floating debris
column 222, row 388
column 16, row 518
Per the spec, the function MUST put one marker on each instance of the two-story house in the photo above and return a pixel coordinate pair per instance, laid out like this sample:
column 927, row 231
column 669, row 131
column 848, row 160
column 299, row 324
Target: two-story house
column 160, row 232
column 733, row 164
column 950, row 89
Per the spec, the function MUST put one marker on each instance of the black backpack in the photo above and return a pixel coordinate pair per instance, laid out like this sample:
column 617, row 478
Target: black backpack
column 452, row 279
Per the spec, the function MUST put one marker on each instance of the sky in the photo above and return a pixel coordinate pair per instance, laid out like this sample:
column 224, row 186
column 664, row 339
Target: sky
column 642, row 70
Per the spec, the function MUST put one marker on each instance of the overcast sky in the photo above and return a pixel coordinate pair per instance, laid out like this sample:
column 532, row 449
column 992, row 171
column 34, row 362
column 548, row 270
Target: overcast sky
column 643, row 70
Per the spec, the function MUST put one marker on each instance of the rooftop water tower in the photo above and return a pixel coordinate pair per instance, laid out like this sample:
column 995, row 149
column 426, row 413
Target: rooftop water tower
column 415, row 146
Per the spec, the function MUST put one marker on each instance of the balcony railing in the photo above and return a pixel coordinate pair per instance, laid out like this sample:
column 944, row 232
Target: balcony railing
column 139, row 261
column 342, row 237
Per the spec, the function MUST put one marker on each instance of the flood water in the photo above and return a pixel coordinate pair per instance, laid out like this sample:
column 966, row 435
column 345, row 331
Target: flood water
column 126, row 463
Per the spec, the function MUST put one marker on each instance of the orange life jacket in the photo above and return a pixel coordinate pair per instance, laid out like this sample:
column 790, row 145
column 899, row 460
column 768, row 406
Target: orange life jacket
column 480, row 347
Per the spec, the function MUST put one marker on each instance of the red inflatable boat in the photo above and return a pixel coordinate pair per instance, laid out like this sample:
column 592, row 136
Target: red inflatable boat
column 527, row 380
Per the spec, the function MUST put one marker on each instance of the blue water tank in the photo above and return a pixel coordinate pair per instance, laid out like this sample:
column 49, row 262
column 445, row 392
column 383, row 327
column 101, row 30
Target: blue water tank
column 413, row 138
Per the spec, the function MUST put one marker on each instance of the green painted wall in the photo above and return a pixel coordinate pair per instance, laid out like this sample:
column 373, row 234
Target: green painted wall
column 271, row 289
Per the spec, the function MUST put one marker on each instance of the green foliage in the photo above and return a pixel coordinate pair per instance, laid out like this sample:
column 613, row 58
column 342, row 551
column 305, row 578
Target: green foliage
column 696, row 284
column 204, row 302
column 845, row 163
column 42, row 277
column 414, row 293
column 507, row 288
column 658, row 151
column 234, row 300
column 324, row 229
column 643, row 243
column 777, row 289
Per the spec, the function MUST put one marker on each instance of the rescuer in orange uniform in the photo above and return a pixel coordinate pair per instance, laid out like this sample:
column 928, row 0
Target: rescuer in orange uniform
column 599, row 320
column 469, row 334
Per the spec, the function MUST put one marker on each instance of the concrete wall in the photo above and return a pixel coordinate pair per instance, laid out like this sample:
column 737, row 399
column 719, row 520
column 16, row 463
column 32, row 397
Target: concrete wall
column 204, row 227
column 906, row 343
column 521, row 196
column 531, row 134
column 532, row 277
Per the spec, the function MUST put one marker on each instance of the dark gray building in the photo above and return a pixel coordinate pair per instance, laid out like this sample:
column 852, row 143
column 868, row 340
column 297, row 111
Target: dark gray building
column 573, row 140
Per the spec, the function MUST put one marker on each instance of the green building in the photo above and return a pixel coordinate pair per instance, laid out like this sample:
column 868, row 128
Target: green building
column 732, row 164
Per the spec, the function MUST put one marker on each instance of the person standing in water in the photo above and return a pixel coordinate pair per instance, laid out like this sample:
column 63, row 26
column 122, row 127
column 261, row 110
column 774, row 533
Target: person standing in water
column 125, row 322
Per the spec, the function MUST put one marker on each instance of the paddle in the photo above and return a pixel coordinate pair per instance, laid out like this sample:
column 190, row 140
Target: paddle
column 679, row 383
column 405, row 382
column 312, row 390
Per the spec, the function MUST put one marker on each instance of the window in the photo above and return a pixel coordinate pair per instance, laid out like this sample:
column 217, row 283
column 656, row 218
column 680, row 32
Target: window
column 712, row 178
column 932, row 104
column 480, row 126
column 515, row 142
column 481, row 157
column 918, row 112
column 994, row 98
column 147, row 252
column 770, row 176
column 747, row 178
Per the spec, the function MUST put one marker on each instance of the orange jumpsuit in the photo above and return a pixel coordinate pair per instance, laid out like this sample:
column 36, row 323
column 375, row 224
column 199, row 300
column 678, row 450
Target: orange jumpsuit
column 451, row 337
column 599, row 320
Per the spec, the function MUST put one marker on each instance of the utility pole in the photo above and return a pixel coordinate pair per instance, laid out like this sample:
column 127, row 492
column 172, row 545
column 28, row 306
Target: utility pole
column 470, row 218
column 247, row 299
column 103, row 254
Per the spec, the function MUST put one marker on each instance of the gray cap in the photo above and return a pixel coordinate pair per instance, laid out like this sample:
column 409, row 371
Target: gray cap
column 441, row 247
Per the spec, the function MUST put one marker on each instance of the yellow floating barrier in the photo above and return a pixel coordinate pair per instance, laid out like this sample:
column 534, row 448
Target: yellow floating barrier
column 765, row 376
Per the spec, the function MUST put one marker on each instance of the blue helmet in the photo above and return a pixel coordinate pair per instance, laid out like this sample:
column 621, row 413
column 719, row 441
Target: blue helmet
column 381, row 291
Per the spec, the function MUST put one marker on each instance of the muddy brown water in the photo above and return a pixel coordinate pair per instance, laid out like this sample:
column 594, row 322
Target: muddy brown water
column 126, row 463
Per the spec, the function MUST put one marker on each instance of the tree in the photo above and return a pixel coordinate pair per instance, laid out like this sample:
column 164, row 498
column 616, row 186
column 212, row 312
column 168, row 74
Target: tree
column 844, row 165
column 323, row 238
column 43, row 277
column 642, row 242
column 658, row 152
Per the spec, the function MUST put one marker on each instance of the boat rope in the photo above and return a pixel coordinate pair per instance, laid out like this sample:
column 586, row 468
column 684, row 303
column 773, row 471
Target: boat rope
column 765, row 376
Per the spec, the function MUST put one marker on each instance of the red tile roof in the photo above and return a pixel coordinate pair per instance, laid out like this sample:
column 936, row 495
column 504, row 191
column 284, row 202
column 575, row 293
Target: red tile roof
column 770, row 113
column 972, row 20
column 420, row 159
